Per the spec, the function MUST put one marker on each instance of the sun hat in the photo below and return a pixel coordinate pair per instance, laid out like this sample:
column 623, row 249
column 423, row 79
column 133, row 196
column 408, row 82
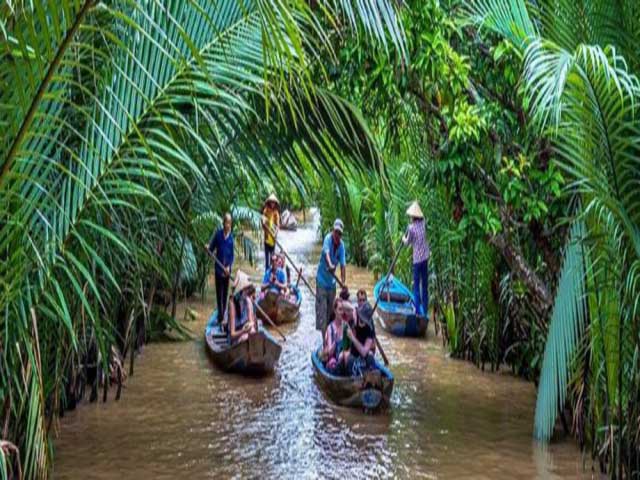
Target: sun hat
column 338, row 225
column 272, row 198
column 365, row 313
column 241, row 282
column 415, row 211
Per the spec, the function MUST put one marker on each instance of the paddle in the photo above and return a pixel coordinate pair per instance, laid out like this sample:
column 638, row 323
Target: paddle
column 375, row 337
column 298, row 270
column 258, row 307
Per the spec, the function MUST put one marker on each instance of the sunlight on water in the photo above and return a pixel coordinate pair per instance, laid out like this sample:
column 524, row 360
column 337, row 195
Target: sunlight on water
column 180, row 417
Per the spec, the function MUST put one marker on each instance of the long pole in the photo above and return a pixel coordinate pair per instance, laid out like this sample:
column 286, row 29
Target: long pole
column 375, row 337
column 298, row 270
column 258, row 307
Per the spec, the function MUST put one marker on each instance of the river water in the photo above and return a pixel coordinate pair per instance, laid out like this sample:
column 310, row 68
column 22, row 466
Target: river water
column 180, row 417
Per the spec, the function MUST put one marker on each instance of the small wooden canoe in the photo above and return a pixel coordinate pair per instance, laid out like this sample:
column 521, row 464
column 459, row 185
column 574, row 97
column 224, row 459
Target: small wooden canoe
column 288, row 221
column 256, row 356
column 371, row 391
column 396, row 311
column 281, row 310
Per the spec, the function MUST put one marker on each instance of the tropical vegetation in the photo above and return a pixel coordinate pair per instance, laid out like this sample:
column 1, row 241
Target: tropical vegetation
column 127, row 127
column 515, row 124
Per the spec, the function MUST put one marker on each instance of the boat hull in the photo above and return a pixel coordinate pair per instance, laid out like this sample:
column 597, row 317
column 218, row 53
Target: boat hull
column 396, row 312
column 280, row 310
column 258, row 355
column 355, row 392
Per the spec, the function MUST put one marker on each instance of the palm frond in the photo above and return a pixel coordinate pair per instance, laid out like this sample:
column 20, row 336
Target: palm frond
column 565, row 329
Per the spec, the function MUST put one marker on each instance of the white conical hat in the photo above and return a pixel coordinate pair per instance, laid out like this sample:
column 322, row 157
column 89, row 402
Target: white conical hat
column 415, row 211
column 241, row 282
column 272, row 198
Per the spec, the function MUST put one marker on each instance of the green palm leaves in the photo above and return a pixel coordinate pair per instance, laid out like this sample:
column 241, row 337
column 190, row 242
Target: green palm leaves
column 579, row 79
column 118, row 117
column 565, row 331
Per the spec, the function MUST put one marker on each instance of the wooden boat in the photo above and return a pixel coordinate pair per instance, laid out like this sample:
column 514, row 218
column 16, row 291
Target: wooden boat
column 396, row 310
column 256, row 356
column 371, row 391
column 288, row 221
column 281, row 310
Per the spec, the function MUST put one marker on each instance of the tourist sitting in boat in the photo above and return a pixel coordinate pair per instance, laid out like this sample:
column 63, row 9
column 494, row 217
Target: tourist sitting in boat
column 360, row 356
column 282, row 273
column 332, row 352
column 242, row 316
column 274, row 278
column 362, row 300
column 361, row 297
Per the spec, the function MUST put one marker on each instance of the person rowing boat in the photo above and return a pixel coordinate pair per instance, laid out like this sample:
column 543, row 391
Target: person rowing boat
column 270, row 226
column 221, row 246
column 416, row 236
column 333, row 254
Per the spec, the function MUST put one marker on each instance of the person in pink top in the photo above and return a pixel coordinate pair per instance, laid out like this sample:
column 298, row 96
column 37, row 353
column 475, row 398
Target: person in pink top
column 417, row 236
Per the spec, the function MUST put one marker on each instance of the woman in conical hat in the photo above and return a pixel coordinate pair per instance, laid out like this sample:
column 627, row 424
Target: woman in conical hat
column 417, row 236
column 270, row 226
column 242, row 316
column 273, row 200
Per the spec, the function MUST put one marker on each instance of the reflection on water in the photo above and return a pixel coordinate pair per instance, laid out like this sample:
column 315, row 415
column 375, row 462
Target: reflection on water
column 181, row 417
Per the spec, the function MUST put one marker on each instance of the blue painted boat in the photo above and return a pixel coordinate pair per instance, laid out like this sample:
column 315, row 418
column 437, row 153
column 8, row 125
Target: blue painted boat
column 370, row 391
column 257, row 355
column 396, row 310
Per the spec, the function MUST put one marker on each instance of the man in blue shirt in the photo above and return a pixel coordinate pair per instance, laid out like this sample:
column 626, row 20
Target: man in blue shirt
column 221, row 245
column 332, row 254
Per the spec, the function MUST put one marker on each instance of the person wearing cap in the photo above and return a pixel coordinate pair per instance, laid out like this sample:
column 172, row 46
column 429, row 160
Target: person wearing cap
column 333, row 254
column 361, row 337
column 417, row 236
column 270, row 226
column 242, row 315
column 221, row 245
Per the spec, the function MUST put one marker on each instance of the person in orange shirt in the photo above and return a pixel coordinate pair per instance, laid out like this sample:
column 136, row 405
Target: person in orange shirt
column 270, row 226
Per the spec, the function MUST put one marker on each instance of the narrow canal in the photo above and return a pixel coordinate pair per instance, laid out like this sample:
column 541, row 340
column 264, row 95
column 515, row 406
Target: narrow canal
column 180, row 417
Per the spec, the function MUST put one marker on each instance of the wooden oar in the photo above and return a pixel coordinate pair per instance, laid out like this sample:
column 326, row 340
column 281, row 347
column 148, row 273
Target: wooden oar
column 375, row 337
column 298, row 270
column 255, row 303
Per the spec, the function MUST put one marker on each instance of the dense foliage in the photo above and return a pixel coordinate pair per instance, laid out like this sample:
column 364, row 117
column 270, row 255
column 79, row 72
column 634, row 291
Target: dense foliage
column 455, row 136
column 515, row 125
column 128, row 127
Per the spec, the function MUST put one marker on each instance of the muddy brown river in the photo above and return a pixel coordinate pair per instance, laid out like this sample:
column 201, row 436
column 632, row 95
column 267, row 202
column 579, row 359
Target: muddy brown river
column 181, row 417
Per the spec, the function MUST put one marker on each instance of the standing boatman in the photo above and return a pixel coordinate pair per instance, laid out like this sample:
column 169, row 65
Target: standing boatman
column 417, row 236
column 333, row 254
column 221, row 245
column 270, row 226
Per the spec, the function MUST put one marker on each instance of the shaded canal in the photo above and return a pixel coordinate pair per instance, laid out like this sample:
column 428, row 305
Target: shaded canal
column 180, row 417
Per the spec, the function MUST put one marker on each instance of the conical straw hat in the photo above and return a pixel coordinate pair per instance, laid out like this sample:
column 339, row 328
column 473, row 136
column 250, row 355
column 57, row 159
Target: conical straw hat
column 272, row 198
column 415, row 211
column 241, row 282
